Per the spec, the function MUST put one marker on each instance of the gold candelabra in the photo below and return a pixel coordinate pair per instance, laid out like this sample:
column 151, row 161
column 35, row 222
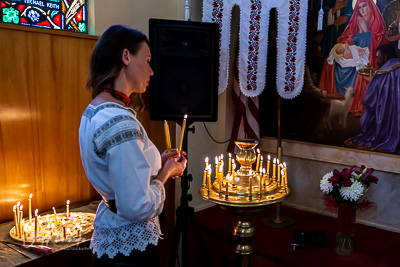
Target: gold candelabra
column 245, row 192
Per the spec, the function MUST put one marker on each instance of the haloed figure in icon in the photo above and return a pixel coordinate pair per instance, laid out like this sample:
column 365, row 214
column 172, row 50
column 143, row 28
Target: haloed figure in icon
column 121, row 162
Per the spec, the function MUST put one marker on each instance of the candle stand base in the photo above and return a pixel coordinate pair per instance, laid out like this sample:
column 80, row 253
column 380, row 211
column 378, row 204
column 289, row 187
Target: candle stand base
column 277, row 221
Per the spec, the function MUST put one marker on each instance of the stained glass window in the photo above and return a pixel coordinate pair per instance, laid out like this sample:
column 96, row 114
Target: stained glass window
column 66, row 15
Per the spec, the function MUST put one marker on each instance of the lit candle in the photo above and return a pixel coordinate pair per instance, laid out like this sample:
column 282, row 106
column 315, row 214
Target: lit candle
column 20, row 220
column 230, row 163
column 182, row 133
column 167, row 136
column 15, row 219
column 258, row 159
column 30, row 208
column 209, row 179
column 279, row 170
column 216, row 168
column 67, row 208
column 55, row 215
column 283, row 178
column 206, row 161
column 222, row 166
column 260, row 177
column 205, row 177
column 264, row 176
column 36, row 223
column 261, row 163
column 273, row 168
column 269, row 160
column 285, row 170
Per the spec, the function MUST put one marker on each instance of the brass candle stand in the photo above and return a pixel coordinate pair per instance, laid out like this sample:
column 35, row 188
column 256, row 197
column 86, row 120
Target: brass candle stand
column 244, row 193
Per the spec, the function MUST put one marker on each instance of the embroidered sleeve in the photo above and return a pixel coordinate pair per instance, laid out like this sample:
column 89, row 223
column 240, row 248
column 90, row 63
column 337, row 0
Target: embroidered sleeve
column 121, row 143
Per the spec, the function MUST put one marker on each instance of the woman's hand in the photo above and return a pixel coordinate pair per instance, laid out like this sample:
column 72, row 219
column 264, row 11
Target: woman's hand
column 173, row 166
column 362, row 25
column 339, row 5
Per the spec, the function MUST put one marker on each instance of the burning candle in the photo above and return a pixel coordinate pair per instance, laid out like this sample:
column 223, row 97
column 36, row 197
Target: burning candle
column 273, row 168
column 279, row 170
column 230, row 163
column 205, row 177
column 260, row 177
column 209, row 179
column 55, row 216
column 285, row 170
column 222, row 166
column 67, row 208
column 182, row 133
column 30, row 208
column 261, row 163
column 36, row 223
column 206, row 161
column 283, row 178
column 20, row 220
column 268, row 162
column 258, row 159
column 167, row 136
column 15, row 219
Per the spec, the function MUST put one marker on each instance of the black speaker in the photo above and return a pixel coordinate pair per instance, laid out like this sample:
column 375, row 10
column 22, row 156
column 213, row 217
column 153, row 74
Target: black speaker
column 185, row 65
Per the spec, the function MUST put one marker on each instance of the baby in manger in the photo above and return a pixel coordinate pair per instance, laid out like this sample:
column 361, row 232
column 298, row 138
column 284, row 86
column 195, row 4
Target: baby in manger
column 349, row 56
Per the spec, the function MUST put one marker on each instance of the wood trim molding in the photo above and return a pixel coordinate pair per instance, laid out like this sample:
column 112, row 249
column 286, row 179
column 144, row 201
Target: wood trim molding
column 339, row 155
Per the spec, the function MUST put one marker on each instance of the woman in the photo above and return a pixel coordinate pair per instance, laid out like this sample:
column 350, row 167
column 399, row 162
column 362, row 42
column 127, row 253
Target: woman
column 366, row 28
column 120, row 161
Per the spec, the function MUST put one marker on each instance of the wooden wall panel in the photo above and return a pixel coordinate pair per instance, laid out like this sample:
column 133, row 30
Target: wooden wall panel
column 42, row 97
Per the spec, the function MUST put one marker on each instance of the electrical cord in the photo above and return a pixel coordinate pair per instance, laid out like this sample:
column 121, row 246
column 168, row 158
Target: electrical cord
column 223, row 142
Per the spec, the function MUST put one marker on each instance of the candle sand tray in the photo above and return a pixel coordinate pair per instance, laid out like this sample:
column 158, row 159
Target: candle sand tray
column 76, row 226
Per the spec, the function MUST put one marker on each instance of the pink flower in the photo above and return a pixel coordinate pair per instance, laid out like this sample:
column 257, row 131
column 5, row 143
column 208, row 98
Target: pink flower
column 251, row 48
column 252, row 28
column 258, row 17
column 289, row 49
column 215, row 4
column 253, row 7
column 256, row 38
column 220, row 15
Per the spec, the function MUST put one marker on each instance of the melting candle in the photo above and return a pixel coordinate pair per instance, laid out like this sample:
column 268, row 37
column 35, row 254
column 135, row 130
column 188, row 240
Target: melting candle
column 258, row 159
column 182, row 133
column 36, row 223
column 67, row 208
column 30, row 208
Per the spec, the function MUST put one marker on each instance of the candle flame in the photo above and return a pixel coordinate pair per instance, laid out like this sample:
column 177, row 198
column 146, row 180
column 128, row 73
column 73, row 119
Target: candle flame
column 269, row 157
column 264, row 170
column 274, row 160
column 258, row 150
column 63, row 221
column 52, row 225
column 222, row 156
column 19, row 203
column 230, row 155
column 283, row 173
column 30, row 196
column 284, row 164
column 277, row 161
column 15, row 207
column 206, row 160
column 67, row 202
column 216, row 160
column 185, row 117
column 36, row 212
column 20, row 207
column 262, row 158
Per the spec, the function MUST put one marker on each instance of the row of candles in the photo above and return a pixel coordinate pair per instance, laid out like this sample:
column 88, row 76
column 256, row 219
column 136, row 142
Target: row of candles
column 168, row 137
column 21, row 227
column 261, row 172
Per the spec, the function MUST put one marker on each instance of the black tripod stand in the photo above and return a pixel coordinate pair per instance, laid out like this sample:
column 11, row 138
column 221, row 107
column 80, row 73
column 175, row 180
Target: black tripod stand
column 183, row 213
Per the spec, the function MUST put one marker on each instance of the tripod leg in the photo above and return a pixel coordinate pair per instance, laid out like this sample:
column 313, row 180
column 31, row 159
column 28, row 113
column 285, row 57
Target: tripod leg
column 199, row 237
column 175, row 242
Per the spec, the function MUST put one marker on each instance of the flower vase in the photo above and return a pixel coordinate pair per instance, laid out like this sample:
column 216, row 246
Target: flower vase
column 346, row 224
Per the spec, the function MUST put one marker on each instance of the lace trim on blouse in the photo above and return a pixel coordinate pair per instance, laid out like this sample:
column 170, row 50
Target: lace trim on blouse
column 124, row 239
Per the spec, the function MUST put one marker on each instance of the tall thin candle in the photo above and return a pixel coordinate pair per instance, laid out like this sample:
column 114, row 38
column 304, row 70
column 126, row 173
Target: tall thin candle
column 273, row 169
column 67, row 208
column 279, row 171
column 182, row 133
column 167, row 136
column 15, row 219
column 230, row 163
column 268, row 162
column 30, row 209
column 258, row 159
column 36, row 223
column 55, row 215
column 20, row 220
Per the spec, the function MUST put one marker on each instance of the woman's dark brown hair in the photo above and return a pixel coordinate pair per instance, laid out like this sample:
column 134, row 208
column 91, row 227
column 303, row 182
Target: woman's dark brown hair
column 106, row 60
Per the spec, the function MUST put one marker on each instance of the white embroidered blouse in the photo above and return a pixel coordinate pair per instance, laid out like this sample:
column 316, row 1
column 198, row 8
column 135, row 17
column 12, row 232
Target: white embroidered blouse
column 121, row 162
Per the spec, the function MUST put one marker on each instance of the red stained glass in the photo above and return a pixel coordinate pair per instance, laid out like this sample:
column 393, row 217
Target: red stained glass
column 2, row 4
column 21, row 8
column 57, row 20
column 43, row 23
column 79, row 16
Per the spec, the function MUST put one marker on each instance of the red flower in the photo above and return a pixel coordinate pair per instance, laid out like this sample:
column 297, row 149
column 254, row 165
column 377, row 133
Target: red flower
column 289, row 49
column 291, row 8
column 287, row 88
column 250, row 67
column 293, row 59
column 220, row 15
column 251, row 48
column 334, row 180
column 253, row 7
column 288, row 69
column 256, row 38
column 347, row 182
column 294, row 39
column 215, row 4
column 292, row 79
column 258, row 17
column 291, row 29
column 249, row 87
column 255, row 58
column 252, row 28
column 254, row 78
column 296, row 19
